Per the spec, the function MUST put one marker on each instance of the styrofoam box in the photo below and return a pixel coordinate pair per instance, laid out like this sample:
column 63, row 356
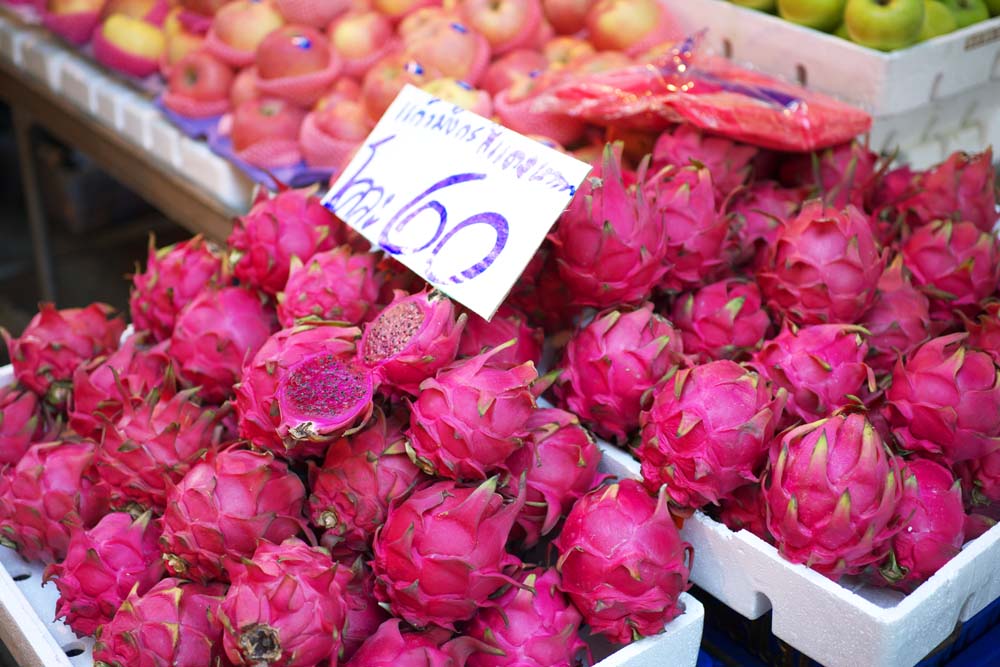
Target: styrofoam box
column 44, row 61
column 80, row 82
column 217, row 175
column 137, row 116
column 839, row 625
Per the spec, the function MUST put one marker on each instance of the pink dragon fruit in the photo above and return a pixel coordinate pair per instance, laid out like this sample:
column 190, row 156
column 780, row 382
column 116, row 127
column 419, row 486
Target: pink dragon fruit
column 955, row 263
column 610, row 245
column 290, row 224
column 944, row 400
column 984, row 332
column 102, row 566
column 55, row 342
column 411, row 339
column 47, row 496
column 224, row 508
column 723, row 320
column 214, row 335
column 757, row 214
column 707, row 432
column 303, row 390
column 508, row 324
column 336, row 285
column 389, row 647
column 285, row 608
column 832, row 493
column 174, row 276
column 23, row 422
column 622, row 561
column 824, row 266
column 361, row 475
column 471, row 416
column 542, row 295
column 439, row 557
column 609, row 364
column 981, row 483
column 933, row 516
column 822, row 367
column 533, row 625
column 730, row 163
column 746, row 509
column 152, row 445
column 559, row 464
column 364, row 615
column 898, row 321
column 884, row 204
column 841, row 175
column 962, row 188
column 174, row 623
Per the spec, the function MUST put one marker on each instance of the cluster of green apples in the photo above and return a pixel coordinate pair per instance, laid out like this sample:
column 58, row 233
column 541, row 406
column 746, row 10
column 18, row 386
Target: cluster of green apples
column 886, row 25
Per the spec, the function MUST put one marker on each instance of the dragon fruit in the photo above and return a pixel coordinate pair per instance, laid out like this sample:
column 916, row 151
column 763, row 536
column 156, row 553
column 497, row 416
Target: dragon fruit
column 746, row 509
column 610, row 245
column 842, row 175
column 23, row 422
column 389, row 647
column 360, row 476
column 290, row 224
column 898, row 321
column 955, row 263
column 757, row 215
column 884, row 204
column 55, row 342
column 214, row 335
column 707, row 432
column 102, row 567
column 302, row 390
column 174, row 276
column 440, row 557
column 622, row 561
column 471, row 416
column 944, row 400
column 822, row 367
column 609, row 364
column 507, row 324
column 933, row 516
column 47, row 496
column 336, row 285
column 363, row 613
column 285, row 608
column 533, row 626
column 542, row 295
column 224, row 508
column 723, row 320
column 981, row 483
column 174, row 623
column 832, row 493
column 730, row 163
column 411, row 339
column 960, row 189
column 984, row 332
column 152, row 445
column 824, row 266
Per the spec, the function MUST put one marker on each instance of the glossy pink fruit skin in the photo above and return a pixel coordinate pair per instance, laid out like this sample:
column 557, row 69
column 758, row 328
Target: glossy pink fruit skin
column 335, row 285
column 962, row 188
column 746, row 509
column 899, row 320
column 984, row 332
column 23, row 422
column 758, row 214
column 609, row 364
column 723, row 320
column 981, row 483
column 388, row 647
column 832, row 493
column 102, row 566
column 507, row 324
column 363, row 613
column 846, row 174
column 224, row 508
column 728, row 162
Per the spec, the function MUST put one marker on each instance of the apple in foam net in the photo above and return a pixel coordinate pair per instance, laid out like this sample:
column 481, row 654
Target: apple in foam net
column 884, row 24
column 461, row 94
column 397, row 9
column 422, row 20
column 136, row 9
column 359, row 35
column 347, row 120
column 823, row 15
column 244, row 24
column 567, row 17
column 628, row 25
column 384, row 81
column 291, row 51
column 134, row 36
column 203, row 7
column 506, row 24
column 563, row 51
column 74, row 6
column 202, row 77
column 180, row 41
column 265, row 119
column 504, row 71
column 453, row 49
column 244, row 87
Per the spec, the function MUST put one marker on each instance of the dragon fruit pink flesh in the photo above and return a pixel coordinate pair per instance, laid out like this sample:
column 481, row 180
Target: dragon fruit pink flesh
column 533, row 626
column 610, row 245
column 471, row 416
column 723, row 320
column 955, row 263
column 730, row 163
column 215, row 335
column 440, row 557
column 559, row 463
column 99, row 387
column 411, row 339
column 303, row 389
column 622, row 561
column 23, row 422
column 360, row 476
column 174, row 276
column 102, row 567
column 746, row 509
column 390, row 647
column 363, row 613
column 707, row 432
column 822, row 367
column 984, row 332
column 55, row 342
column 335, row 285
column 174, row 623
column 152, row 445
column 898, row 321
column 508, row 324
column 824, row 266
column 285, row 608
column 47, row 496
column 842, row 175
column 290, row 224
column 609, row 364
column 944, row 401
column 832, row 492
column 225, row 507
column 933, row 524
column 962, row 188
column 757, row 215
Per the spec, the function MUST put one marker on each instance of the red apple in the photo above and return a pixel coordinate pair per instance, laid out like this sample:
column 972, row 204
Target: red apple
column 361, row 39
column 567, row 16
column 135, row 37
column 461, row 94
column 603, row 61
column 384, row 81
column 258, row 120
column 424, row 19
column 630, row 25
column 397, row 9
column 316, row 13
column 346, row 120
column 504, row 71
column 136, row 9
column 453, row 49
column 180, row 40
column 293, row 50
column 506, row 24
column 203, row 7
column 563, row 51
column 199, row 76
column 343, row 89
column 74, row 6
column 244, row 87
column 244, row 24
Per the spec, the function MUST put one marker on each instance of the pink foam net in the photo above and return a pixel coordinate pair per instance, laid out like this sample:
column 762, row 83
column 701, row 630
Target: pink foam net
column 358, row 67
column 231, row 56
column 315, row 13
column 271, row 153
column 304, row 90
column 76, row 28
column 323, row 150
column 115, row 58
column 194, row 22
column 185, row 105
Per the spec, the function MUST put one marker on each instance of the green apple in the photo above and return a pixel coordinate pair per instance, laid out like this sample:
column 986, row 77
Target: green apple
column 968, row 12
column 994, row 7
column 938, row 20
column 841, row 32
column 886, row 25
column 823, row 15
column 759, row 5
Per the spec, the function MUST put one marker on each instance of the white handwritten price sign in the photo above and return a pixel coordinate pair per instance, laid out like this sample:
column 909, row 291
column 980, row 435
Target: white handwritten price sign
column 458, row 199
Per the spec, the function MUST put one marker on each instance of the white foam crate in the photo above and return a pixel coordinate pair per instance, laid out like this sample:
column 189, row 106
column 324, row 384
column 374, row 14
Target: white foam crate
column 44, row 61
column 80, row 83
column 166, row 141
column 217, row 175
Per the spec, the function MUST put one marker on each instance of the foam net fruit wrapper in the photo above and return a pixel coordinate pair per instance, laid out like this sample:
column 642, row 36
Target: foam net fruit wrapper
column 687, row 86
